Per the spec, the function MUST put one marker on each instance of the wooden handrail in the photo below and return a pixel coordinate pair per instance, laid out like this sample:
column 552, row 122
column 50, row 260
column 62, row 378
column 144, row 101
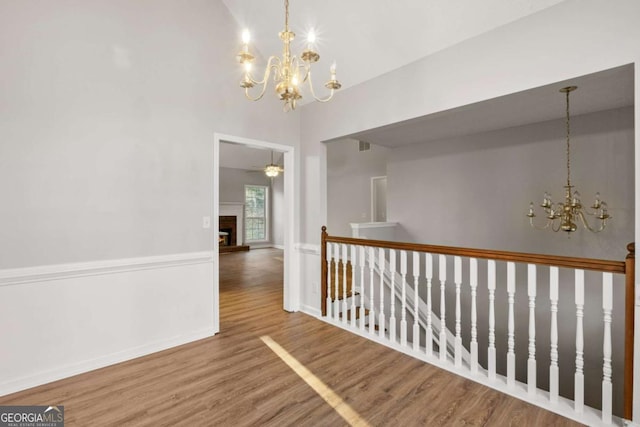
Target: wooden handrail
column 626, row 267
column 557, row 261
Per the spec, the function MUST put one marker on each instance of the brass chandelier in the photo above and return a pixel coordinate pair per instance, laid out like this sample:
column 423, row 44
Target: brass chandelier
column 272, row 170
column 289, row 72
column 564, row 215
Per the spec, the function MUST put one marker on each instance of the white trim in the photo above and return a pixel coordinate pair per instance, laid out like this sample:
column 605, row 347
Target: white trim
column 308, row 248
column 38, row 274
column 311, row 311
column 291, row 291
column 362, row 225
column 267, row 214
column 281, row 247
column 56, row 374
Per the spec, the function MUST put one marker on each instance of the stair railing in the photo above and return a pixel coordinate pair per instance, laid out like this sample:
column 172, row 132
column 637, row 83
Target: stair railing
column 343, row 257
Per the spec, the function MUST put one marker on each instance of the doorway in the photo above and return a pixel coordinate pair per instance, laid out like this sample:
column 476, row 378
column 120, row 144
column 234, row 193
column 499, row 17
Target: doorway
column 291, row 291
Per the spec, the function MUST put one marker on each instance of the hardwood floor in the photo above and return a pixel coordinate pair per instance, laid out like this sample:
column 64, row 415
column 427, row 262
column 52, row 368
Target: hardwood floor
column 234, row 379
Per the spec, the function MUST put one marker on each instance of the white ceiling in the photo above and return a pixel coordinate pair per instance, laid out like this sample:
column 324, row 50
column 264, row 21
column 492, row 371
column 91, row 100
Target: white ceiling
column 601, row 91
column 368, row 38
column 243, row 157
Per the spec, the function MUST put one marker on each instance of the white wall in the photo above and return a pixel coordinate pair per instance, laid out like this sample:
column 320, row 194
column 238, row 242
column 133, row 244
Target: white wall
column 474, row 191
column 277, row 210
column 107, row 116
column 232, row 182
column 349, row 173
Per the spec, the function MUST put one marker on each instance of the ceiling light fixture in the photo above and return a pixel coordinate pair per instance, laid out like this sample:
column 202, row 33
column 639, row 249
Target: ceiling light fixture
column 564, row 216
column 289, row 71
column 272, row 170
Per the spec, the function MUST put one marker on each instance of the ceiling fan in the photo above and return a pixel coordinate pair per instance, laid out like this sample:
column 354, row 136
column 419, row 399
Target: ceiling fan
column 271, row 170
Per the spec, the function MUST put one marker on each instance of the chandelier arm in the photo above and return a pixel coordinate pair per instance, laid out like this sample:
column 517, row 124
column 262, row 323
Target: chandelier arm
column 273, row 63
column 587, row 226
column 537, row 227
column 313, row 93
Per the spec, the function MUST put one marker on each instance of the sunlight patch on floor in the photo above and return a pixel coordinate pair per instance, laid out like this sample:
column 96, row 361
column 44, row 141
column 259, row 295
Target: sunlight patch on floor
column 329, row 396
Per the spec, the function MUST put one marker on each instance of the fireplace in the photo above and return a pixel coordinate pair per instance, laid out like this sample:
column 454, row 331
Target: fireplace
column 229, row 236
column 228, row 224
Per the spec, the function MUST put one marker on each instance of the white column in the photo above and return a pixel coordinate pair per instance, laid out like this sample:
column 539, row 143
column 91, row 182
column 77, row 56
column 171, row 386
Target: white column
column 381, row 266
column 392, row 313
column 361, row 263
column 531, row 361
column 428, row 268
column 491, row 285
column 354, row 316
column 372, row 304
column 578, row 398
column 473, row 282
column 607, row 306
column 442, row 273
column 457, row 278
column 336, row 285
column 345, row 308
column 511, row 341
column 416, row 298
column 553, row 369
column 403, row 321
column 329, row 301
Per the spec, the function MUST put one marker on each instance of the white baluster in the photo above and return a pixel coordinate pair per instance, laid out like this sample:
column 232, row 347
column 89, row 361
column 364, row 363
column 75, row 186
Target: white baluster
column 457, row 278
column 511, row 341
column 531, row 361
column 553, row 369
column 345, row 259
column 336, row 294
column 381, row 262
column 372, row 305
column 428, row 267
column 416, row 306
column 329, row 301
column 353, row 287
column 392, row 298
column 361, row 263
column 473, row 282
column 607, row 306
column 491, row 285
column 403, row 321
column 442, row 273
column 578, row 398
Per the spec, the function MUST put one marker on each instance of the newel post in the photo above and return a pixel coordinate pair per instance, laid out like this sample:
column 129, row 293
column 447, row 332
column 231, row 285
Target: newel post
column 629, row 301
column 323, row 269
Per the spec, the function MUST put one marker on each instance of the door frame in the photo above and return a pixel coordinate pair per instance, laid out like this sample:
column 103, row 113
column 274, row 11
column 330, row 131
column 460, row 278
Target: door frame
column 291, row 289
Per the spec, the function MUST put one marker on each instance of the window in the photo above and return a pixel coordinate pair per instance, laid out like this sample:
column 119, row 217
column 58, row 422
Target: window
column 255, row 212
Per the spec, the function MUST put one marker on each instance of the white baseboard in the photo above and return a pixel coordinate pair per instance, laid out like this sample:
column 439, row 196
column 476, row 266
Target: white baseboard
column 281, row 247
column 62, row 320
column 46, row 377
column 311, row 311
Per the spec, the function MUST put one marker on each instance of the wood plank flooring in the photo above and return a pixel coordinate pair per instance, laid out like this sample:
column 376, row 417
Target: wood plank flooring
column 234, row 379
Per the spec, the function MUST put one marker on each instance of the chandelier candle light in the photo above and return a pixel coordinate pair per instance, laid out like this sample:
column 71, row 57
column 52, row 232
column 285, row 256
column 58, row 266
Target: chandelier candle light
column 289, row 71
column 564, row 215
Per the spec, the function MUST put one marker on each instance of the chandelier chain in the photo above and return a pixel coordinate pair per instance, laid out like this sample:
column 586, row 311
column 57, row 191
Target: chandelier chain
column 568, row 143
column 286, row 15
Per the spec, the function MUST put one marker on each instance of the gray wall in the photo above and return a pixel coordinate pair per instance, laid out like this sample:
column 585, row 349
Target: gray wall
column 107, row 116
column 349, row 173
column 475, row 191
column 232, row 182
